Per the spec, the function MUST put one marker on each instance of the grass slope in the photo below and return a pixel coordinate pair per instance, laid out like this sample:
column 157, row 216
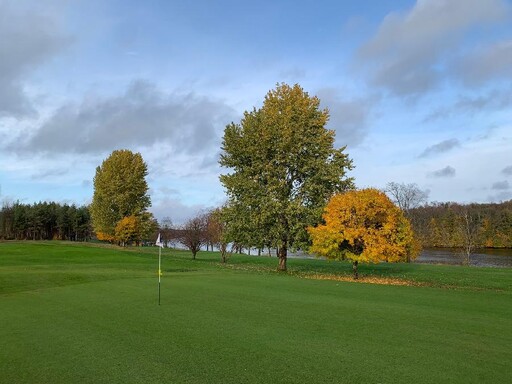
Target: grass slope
column 75, row 313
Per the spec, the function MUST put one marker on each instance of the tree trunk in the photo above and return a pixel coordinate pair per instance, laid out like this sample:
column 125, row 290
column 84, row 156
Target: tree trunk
column 354, row 268
column 282, row 258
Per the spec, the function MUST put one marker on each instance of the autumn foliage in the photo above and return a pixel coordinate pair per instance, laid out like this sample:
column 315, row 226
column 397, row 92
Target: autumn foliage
column 102, row 236
column 120, row 190
column 363, row 226
column 127, row 230
column 120, row 201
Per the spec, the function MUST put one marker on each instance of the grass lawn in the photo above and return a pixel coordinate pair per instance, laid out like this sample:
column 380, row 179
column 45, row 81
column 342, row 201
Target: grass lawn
column 75, row 313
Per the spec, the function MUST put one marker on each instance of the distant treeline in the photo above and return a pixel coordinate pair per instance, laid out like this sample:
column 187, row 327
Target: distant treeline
column 435, row 224
column 453, row 225
column 45, row 221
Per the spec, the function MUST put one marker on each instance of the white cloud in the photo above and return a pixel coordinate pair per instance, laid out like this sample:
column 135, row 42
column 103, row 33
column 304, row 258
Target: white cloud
column 28, row 38
column 486, row 63
column 141, row 117
column 348, row 117
column 175, row 209
column 406, row 53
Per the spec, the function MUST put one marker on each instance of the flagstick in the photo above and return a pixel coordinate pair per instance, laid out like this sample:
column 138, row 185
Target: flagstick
column 159, row 271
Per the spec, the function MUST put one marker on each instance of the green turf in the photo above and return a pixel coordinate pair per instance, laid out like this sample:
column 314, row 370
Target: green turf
column 86, row 314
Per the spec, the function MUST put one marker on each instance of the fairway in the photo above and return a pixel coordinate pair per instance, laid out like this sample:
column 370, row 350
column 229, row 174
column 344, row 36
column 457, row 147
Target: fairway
column 74, row 313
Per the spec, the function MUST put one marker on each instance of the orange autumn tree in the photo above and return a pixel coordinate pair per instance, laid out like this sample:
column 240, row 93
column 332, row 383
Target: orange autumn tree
column 127, row 230
column 363, row 226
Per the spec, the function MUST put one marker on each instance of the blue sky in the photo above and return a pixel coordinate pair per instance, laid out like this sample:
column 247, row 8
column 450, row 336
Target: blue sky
column 418, row 91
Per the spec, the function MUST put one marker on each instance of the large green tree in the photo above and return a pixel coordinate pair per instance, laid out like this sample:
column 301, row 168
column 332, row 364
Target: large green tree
column 120, row 190
column 283, row 168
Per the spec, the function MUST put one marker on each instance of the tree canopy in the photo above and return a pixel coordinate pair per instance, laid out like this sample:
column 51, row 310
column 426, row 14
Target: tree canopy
column 363, row 226
column 44, row 221
column 120, row 191
column 446, row 224
column 283, row 168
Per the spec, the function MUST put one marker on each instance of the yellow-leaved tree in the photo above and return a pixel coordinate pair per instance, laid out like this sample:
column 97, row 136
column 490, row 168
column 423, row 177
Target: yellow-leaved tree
column 127, row 230
column 363, row 226
column 120, row 192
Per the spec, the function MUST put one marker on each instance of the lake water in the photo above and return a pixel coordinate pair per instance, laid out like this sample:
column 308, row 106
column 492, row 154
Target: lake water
column 500, row 258
column 496, row 258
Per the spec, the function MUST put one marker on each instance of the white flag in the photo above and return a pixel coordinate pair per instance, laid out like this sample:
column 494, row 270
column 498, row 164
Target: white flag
column 159, row 242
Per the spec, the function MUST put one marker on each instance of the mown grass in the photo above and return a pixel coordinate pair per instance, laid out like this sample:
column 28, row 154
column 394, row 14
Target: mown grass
column 73, row 313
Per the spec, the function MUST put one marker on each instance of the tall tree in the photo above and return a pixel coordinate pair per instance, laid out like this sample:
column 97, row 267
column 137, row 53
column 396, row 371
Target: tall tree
column 283, row 168
column 120, row 190
column 363, row 226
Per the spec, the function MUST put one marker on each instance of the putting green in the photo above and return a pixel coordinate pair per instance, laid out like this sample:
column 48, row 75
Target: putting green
column 82, row 314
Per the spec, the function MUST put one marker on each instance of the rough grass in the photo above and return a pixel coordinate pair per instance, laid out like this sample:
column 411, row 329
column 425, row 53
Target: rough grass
column 73, row 313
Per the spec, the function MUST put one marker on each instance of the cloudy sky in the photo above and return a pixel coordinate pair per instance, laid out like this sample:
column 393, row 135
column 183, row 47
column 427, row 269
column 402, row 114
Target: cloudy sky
column 418, row 91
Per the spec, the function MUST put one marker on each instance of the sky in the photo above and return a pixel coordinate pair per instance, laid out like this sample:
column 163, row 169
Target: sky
column 418, row 91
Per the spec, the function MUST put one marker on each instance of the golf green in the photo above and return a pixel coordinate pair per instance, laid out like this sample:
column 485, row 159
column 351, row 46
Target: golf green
column 87, row 314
